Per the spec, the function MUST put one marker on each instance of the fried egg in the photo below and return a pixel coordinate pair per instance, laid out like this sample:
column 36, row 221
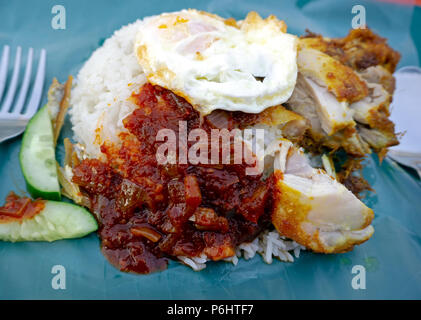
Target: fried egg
column 219, row 64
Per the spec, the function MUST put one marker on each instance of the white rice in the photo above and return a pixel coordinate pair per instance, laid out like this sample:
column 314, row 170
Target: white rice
column 269, row 244
column 100, row 100
column 102, row 88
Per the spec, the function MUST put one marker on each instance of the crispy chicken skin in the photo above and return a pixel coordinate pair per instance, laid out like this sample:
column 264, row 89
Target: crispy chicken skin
column 360, row 49
column 313, row 208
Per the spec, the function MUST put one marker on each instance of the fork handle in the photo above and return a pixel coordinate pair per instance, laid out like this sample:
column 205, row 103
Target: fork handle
column 11, row 128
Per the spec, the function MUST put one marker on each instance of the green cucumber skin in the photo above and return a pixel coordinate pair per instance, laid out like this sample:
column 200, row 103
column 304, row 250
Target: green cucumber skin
column 35, row 191
column 57, row 221
column 38, row 194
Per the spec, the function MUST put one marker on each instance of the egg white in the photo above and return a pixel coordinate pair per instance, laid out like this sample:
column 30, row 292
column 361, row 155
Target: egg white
column 219, row 64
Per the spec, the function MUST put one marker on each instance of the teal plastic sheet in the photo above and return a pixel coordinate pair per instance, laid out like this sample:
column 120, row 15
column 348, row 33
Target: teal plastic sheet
column 392, row 258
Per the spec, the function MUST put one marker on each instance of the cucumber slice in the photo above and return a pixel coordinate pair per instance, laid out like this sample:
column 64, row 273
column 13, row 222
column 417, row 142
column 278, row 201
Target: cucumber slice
column 58, row 220
column 37, row 157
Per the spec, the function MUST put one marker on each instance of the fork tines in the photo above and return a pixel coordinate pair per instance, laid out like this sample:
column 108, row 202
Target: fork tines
column 12, row 103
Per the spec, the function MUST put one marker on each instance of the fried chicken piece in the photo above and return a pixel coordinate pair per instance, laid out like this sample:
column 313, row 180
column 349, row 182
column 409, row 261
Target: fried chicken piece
column 313, row 208
column 379, row 75
column 373, row 110
column 377, row 139
column 331, row 122
column 360, row 49
column 292, row 125
column 356, row 69
column 372, row 114
column 336, row 77
column 334, row 115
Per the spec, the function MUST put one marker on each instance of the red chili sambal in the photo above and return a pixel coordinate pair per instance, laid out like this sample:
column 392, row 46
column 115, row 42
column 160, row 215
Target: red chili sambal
column 149, row 212
column 20, row 208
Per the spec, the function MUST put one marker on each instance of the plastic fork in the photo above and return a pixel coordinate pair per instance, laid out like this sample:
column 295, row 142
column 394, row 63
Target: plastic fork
column 17, row 108
column 406, row 101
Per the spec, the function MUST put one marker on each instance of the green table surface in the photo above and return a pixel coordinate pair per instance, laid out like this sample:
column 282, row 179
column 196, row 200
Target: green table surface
column 392, row 258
